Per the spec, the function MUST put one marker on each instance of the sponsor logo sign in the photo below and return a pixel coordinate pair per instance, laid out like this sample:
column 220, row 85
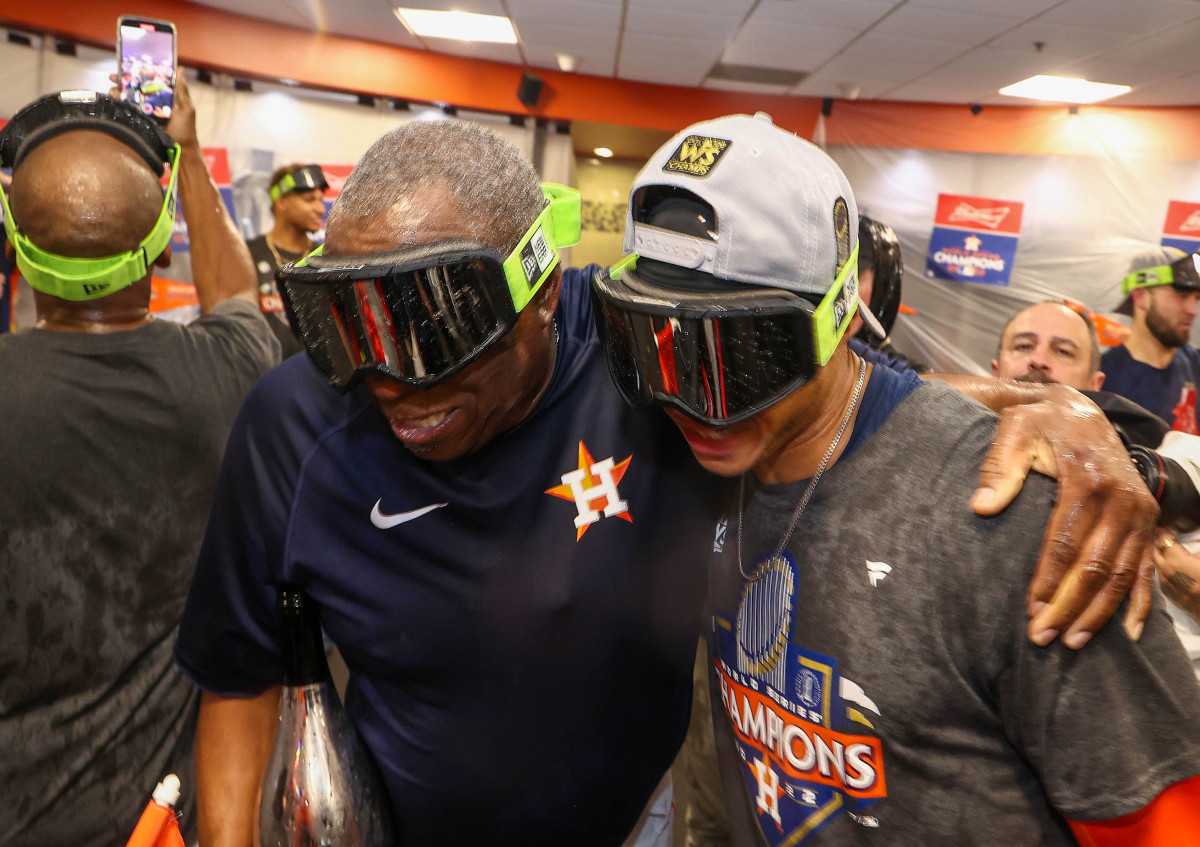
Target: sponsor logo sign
column 974, row 239
column 1182, row 227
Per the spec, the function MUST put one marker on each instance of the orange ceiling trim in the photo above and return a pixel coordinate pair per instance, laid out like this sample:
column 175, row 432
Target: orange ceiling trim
column 1166, row 132
column 219, row 40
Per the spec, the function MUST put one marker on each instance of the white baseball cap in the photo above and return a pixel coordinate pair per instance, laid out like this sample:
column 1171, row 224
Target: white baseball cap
column 785, row 216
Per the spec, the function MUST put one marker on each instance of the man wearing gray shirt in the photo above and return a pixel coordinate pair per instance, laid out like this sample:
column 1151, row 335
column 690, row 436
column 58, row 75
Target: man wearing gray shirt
column 112, row 430
column 872, row 682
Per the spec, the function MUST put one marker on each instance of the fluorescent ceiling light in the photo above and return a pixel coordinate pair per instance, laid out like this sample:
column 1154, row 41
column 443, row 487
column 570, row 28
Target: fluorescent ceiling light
column 464, row 26
column 1062, row 89
column 603, row 152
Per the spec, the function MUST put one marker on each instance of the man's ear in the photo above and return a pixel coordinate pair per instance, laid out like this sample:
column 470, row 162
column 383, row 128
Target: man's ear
column 546, row 299
column 164, row 259
column 1097, row 380
column 995, row 368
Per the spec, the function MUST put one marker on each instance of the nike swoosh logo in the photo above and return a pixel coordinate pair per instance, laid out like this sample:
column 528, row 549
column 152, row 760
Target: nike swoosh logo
column 388, row 521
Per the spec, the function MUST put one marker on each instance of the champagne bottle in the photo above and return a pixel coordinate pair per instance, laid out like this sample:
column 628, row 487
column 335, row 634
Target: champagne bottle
column 321, row 788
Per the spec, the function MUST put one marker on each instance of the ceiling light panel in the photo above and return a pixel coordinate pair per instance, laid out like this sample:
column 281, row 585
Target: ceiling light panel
column 461, row 26
column 1061, row 89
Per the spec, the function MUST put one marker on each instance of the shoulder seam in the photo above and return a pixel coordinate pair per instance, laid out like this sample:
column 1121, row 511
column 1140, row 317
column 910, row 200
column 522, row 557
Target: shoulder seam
column 317, row 446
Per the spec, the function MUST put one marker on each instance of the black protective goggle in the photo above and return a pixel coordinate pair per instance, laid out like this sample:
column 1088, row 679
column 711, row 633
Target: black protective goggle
column 418, row 316
column 718, row 359
column 421, row 314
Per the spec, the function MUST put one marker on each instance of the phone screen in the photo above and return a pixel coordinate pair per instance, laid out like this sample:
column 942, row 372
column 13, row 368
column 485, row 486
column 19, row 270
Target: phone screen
column 146, row 57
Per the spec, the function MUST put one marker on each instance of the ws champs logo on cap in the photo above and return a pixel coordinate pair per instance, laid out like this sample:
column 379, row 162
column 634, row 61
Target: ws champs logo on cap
column 697, row 155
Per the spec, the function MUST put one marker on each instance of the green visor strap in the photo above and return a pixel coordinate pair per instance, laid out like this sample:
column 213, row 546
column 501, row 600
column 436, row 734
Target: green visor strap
column 836, row 309
column 1184, row 272
column 90, row 279
column 536, row 254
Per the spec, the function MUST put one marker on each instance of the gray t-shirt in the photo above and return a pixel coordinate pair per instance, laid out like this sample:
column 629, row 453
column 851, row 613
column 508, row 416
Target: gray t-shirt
column 109, row 451
column 878, row 688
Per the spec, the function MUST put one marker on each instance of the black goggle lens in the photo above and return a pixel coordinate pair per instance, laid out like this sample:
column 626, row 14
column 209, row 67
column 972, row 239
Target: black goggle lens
column 418, row 326
column 717, row 370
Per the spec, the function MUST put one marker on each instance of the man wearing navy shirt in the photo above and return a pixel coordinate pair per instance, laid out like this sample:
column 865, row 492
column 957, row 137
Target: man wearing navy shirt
column 1155, row 367
column 506, row 555
column 503, row 552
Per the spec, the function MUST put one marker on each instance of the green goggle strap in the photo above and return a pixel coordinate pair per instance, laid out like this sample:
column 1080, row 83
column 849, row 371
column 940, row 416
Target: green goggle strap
column 827, row 329
column 536, row 254
column 286, row 184
column 90, row 279
column 1147, row 277
column 836, row 309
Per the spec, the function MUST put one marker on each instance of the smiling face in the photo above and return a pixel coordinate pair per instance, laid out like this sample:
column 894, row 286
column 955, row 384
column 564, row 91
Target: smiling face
column 305, row 210
column 492, row 394
column 1048, row 343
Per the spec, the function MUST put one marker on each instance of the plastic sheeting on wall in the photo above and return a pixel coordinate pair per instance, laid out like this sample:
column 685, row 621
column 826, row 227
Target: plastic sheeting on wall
column 1085, row 217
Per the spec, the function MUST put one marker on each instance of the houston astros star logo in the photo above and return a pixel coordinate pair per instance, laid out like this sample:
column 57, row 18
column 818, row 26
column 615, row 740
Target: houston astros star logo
column 593, row 488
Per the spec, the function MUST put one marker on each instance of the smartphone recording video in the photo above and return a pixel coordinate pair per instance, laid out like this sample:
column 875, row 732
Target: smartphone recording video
column 146, row 65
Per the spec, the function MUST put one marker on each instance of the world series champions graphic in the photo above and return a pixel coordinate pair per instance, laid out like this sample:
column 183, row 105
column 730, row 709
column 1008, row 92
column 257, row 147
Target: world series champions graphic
column 974, row 239
column 805, row 734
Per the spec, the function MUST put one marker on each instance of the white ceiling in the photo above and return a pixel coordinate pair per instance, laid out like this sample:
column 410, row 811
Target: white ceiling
column 958, row 51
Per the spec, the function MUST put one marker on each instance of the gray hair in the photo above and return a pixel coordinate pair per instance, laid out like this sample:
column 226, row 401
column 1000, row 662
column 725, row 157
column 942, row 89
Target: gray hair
column 494, row 186
column 1093, row 337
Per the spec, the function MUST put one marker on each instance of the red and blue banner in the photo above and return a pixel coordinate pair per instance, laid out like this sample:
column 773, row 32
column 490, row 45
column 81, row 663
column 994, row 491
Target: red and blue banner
column 335, row 175
column 974, row 239
column 217, row 159
column 1182, row 227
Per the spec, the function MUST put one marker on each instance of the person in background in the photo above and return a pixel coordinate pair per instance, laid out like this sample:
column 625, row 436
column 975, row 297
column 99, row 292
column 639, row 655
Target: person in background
column 112, row 429
column 298, row 209
column 1052, row 343
column 1156, row 367
column 871, row 673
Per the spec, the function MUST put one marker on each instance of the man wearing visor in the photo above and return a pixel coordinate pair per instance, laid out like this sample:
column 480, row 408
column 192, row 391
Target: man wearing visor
column 1155, row 367
column 298, row 209
column 872, row 679
column 112, row 428
column 508, row 557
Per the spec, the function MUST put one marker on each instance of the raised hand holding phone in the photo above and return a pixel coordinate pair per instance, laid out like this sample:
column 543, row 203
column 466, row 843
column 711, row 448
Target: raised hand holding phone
column 146, row 65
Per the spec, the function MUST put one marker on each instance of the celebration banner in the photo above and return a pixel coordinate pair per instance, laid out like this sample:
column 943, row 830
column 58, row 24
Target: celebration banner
column 974, row 239
column 1182, row 227
column 217, row 159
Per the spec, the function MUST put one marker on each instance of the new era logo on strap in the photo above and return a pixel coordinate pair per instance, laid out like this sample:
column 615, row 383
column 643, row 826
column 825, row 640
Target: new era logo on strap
column 876, row 571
